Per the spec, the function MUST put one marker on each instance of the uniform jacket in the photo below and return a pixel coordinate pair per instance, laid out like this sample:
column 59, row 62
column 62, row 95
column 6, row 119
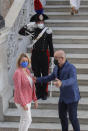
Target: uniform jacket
column 69, row 91
column 44, row 43
column 23, row 92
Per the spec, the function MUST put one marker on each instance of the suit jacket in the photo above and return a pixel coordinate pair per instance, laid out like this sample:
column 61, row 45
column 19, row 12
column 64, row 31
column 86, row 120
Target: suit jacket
column 24, row 93
column 69, row 91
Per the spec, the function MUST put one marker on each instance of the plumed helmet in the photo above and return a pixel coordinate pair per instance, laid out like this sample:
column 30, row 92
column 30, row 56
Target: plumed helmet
column 38, row 7
column 39, row 16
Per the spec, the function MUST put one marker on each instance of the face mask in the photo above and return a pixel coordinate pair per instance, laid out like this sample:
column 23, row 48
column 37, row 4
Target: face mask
column 24, row 64
column 41, row 26
column 55, row 62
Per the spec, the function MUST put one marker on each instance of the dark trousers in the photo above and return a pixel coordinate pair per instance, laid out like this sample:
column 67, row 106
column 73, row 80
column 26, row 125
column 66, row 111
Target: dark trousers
column 72, row 112
column 40, row 68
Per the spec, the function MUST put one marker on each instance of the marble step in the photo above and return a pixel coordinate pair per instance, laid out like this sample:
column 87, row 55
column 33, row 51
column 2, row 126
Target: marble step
column 54, row 91
column 78, row 58
column 74, row 39
column 64, row 2
column 82, row 31
column 66, row 23
column 13, row 126
column 82, row 79
column 67, row 16
column 81, row 68
column 71, row 48
column 73, row 58
column 63, row 8
column 42, row 116
column 52, row 103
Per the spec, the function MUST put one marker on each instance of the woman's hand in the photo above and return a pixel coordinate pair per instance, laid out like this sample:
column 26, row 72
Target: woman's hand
column 34, row 78
column 36, row 104
column 25, row 107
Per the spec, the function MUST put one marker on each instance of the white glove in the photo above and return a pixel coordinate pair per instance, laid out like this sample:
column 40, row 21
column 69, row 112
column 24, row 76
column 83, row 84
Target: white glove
column 31, row 25
column 52, row 63
column 52, row 60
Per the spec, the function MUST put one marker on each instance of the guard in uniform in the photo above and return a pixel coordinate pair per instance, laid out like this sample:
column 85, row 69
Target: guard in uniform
column 41, row 49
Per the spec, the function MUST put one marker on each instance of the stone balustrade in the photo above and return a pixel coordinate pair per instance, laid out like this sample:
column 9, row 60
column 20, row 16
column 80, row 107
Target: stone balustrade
column 11, row 45
column 5, row 88
column 16, row 43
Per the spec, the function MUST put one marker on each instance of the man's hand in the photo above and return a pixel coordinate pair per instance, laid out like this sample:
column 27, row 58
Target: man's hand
column 58, row 83
column 36, row 104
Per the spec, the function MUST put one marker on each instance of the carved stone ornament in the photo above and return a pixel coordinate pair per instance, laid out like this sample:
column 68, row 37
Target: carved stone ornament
column 2, row 22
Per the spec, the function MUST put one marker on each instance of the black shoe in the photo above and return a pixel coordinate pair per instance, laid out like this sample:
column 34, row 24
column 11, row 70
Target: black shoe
column 38, row 97
column 72, row 13
column 44, row 98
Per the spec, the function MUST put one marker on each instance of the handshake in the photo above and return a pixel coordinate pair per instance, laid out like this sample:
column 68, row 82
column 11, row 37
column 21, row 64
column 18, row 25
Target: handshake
column 57, row 82
column 35, row 79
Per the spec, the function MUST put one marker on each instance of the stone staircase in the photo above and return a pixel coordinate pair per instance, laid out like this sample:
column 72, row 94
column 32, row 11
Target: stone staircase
column 70, row 33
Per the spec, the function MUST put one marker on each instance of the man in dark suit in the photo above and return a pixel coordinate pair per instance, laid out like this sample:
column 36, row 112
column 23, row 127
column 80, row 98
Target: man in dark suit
column 66, row 79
